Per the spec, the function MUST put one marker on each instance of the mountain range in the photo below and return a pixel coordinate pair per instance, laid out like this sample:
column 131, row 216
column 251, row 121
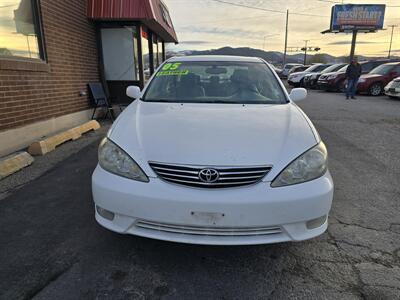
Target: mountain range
column 273, row 57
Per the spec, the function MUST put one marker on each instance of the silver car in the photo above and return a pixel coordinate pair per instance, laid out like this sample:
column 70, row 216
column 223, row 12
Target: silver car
column 392, row 89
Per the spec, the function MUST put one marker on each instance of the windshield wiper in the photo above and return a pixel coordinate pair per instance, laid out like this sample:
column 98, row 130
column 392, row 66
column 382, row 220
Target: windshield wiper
column 221, row 101
column 158, row 100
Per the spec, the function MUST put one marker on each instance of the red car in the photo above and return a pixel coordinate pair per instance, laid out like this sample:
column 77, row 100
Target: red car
column 374, row 82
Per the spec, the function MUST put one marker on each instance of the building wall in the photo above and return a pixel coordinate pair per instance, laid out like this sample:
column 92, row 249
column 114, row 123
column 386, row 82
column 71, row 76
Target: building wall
column 36, row 91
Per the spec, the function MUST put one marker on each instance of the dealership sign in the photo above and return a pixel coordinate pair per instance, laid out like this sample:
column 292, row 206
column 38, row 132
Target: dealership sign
column 357, row 17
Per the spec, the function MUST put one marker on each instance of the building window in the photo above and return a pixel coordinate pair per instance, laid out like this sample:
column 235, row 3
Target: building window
column 155, row 52
column 20, row 29
column 146, row 54
column 160, row 52
column 120, row 53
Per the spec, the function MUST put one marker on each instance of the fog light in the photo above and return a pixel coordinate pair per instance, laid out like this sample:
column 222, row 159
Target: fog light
column 315, row 223
column 106, row 214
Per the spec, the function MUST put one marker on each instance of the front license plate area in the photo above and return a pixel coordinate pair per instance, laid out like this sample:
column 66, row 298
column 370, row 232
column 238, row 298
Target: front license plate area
column 210, row 218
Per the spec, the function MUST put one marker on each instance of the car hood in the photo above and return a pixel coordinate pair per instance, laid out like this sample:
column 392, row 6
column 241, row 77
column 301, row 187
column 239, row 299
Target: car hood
column 213, row 134
column 371, row 76
column 314, row 73
column 332, row 73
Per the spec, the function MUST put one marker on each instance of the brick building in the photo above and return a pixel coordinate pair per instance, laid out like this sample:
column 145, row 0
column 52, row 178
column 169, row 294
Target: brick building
column 50, row 50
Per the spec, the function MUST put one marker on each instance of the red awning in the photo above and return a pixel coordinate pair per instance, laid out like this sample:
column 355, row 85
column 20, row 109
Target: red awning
column 153, row 13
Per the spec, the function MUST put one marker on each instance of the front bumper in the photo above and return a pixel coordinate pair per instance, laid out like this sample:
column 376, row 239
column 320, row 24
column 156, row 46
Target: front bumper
column 293, row 82
column 392, row 91
column 363, row 87
column 324, row 84
column 256, row 214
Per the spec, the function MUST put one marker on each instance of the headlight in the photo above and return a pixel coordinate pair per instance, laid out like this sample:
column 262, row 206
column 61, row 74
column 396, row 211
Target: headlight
column 115, row 160
column 332, row 77
column 308, row 166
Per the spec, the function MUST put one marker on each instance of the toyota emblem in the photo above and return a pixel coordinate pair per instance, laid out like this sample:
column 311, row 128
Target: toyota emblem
column 208, row 175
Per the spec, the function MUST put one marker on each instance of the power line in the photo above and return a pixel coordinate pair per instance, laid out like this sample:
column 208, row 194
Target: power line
column 223, row 20
column 267, row 9
column 330, row 1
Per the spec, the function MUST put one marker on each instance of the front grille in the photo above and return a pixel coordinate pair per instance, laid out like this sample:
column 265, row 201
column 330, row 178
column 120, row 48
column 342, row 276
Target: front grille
column 227, row 176
column 209, row 231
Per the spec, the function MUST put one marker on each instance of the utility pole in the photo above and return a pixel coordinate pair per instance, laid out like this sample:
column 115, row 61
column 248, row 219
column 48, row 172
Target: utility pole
column 353, row 45
column 286, row 34
column 391, row 39
column 305, row 51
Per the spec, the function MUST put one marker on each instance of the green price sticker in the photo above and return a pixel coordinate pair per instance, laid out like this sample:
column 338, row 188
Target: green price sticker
column 171, row 67
column 173, row 73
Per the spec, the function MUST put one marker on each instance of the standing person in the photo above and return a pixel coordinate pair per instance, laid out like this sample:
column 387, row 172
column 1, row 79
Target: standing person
column 353, row 73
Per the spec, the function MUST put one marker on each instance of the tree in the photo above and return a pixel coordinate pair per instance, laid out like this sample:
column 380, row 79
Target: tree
column 5, row 51
column 318, row 58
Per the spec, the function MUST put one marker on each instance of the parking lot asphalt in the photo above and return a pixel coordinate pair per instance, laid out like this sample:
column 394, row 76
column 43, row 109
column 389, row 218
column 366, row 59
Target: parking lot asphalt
column 52, row 248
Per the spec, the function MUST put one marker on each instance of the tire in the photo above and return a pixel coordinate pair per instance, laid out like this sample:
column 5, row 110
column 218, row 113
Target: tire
column 375, row 89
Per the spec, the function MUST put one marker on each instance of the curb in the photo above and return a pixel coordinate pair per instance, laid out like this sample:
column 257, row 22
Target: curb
column 49, row 144
column 14, row 162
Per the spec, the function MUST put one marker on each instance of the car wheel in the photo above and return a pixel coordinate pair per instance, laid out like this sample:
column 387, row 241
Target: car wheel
column 376, row 89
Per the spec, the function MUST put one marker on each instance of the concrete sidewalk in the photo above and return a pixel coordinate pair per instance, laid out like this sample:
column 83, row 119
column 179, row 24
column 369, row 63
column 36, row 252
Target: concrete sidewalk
column 42, row 164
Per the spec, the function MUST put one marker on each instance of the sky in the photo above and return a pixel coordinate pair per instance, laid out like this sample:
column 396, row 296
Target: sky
column 209, row 24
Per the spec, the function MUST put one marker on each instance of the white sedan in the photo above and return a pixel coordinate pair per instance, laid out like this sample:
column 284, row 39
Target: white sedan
column 392, row 89
column 214, row 151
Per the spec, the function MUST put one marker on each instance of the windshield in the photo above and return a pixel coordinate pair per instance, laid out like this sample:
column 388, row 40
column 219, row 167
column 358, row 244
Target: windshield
column 382, row 69
column 342, row 70
column 289, row 66
column 315, row 68
column 215, row 82
column 332, row 68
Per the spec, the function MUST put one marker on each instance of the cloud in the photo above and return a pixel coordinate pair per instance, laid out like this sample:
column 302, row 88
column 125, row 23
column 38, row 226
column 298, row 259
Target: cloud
column 235, row 32
column 358, row 42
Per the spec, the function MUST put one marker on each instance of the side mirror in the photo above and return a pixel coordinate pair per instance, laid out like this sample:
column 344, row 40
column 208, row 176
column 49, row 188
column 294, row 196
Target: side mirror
column 133, row 91
column 298, row 94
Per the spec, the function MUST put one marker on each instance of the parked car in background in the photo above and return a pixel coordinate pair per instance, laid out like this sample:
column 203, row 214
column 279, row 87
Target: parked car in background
column 335, row 81
column 298, row 69
column 286, row 69
column 392, row 89
column 297, row 79
column 249, row 169
column 276, row 69
column 311, row 79
column 375, row 81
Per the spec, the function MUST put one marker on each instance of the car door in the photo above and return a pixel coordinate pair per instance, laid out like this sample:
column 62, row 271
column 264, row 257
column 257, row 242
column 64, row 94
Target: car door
column 394, row 73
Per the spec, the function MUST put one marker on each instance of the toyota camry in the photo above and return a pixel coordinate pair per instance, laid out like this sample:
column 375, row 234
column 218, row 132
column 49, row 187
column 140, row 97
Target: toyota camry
column 214, row 151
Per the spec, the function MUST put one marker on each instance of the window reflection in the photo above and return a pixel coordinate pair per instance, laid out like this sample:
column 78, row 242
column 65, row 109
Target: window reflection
column 160, row 54
column 155, row 52
column 18, row 33
column 145, row 53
